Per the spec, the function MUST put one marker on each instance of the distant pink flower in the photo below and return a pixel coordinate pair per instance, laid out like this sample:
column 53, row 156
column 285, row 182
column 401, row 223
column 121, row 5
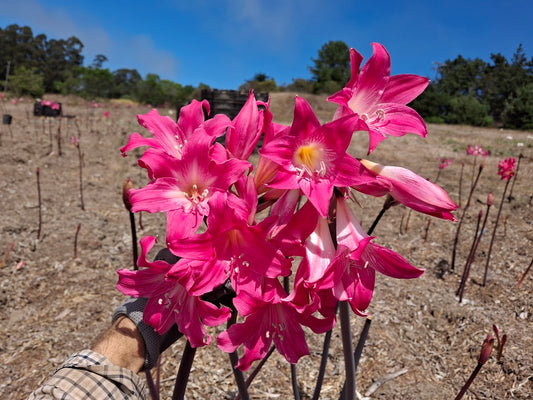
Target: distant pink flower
column 14, row 102
column 313, row 157
column 75, row 141
column 507, row 168
column 409, row 189
column 380, row 99
column 476, row 151
column 106, row 114
column 95, row 104
column 445, row 163
column 55, row 106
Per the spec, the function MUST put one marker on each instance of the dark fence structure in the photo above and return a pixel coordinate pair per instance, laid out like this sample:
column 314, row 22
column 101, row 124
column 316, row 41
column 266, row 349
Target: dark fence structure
column 46, row 110
column 228, row 102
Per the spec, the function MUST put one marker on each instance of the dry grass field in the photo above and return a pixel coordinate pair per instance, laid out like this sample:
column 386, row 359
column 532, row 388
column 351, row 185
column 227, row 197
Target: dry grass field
column 52, row 305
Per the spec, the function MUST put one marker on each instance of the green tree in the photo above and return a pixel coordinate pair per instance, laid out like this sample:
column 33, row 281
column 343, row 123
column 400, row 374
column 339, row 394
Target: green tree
column 27, row 82
column 331, row 70
column 518, row 112
column 260, row 83
column 125, row 82
column 300, row 85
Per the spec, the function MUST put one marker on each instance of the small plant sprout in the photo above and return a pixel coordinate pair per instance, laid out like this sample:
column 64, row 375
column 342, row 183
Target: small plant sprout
column 76, row 241
column 506, row 170
column 4, row 259
column 486, row 350
column 524, row 275
column 76, row 142
column 500, row 342
column 37, row 173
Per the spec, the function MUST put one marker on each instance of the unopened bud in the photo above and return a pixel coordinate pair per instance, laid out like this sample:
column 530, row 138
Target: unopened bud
column 480, row 214
column 128, row 184
column 490, row 199
column 486, row 350
column 482, row 165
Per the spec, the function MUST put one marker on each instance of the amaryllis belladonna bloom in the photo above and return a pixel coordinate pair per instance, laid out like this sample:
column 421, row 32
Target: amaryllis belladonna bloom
column 409, row 189
column 380, row 99
column 507, row 168
column 313, row 157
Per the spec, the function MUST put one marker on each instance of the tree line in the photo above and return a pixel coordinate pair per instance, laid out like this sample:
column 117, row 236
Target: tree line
column 465, row 91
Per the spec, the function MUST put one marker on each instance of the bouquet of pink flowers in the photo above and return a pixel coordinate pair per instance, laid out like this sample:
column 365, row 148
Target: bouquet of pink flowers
column 213, row 198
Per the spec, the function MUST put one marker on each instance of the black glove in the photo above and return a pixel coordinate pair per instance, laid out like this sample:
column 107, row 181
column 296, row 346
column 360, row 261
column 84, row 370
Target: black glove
column 154, row 343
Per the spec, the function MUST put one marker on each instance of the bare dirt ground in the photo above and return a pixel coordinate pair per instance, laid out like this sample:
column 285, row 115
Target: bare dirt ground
column 52, row 305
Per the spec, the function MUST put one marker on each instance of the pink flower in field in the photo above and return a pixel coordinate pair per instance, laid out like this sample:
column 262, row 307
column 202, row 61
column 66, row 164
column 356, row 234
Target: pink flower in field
column 445, row 163
column 14, row 102
column 55, row 106
column 312, row 157
column 380, row 99
column 106, row 114
column 507, row 168
column 409, row 189
column 476, row 151
column 95, row 104
column 75, row 141
column 269, row 319
column 174, row 294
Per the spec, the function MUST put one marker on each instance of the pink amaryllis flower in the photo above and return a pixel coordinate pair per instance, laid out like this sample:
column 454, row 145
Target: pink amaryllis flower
column 169, row 136
column 245, row 130
column 380, row 99
column 183, row 187
column 358, row 258
column 445, row 163
column 409, row 189
column 507, row 168
column 312, row 157
column 476, row 150
column 243, row 250
column 173, row 293
column 269, row 318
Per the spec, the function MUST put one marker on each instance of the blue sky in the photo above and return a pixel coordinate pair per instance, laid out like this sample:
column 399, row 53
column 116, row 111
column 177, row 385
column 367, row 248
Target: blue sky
column 223, row 43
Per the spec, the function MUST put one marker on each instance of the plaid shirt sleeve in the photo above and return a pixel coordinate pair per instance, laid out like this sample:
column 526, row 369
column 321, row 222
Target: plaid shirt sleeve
column 89, row 375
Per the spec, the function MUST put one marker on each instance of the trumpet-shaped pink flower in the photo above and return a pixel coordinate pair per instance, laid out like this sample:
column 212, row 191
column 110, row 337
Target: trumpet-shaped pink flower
column 174, row 295
column 358, row 259
column 313, row 157
column 244, row 251
column 269, row 319
column 244, row 132
column 507, row 168
column 170, row 137
column 409, row 189
column 380, row 99
column 183, row 187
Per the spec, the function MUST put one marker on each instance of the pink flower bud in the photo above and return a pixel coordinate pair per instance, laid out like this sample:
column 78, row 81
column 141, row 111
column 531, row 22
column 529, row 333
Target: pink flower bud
column 126, row 186
column 486, row 349
column 490, row 199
